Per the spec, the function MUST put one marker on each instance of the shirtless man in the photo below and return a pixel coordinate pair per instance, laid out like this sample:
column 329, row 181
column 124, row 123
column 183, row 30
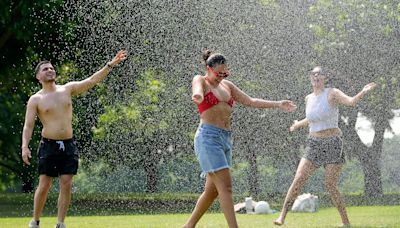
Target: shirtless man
column 58, row 154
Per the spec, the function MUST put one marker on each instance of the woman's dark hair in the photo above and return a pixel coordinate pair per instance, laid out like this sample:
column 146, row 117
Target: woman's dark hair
column 212, row 60
column 329, row 79
column 322, row 71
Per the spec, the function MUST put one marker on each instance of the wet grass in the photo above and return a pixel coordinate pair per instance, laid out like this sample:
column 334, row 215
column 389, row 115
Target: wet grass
column 21, row 205
column 365, row 216
column 99, row 204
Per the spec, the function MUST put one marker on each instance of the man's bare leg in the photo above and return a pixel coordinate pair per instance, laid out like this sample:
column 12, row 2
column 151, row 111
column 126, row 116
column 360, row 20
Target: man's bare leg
column 64, row 198
column 41, row 195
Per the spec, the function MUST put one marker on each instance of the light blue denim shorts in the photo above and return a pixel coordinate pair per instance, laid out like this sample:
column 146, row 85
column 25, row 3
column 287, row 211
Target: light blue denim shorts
column 213, row 148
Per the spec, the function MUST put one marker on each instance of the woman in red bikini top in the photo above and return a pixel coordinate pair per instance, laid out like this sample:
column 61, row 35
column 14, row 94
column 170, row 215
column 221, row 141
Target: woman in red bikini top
column 215, row 96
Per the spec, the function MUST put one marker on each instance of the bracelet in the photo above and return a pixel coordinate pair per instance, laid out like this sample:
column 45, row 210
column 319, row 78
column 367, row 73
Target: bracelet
column 109, row 66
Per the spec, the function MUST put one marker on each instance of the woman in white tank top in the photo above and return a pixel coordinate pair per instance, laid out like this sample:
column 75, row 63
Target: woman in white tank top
column 324, row 144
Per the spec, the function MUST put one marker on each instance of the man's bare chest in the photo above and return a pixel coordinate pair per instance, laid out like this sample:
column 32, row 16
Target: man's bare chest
column 56, row 102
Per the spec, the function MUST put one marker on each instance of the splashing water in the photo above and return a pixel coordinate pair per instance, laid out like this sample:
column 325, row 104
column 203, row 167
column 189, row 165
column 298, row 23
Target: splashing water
column 136, row 128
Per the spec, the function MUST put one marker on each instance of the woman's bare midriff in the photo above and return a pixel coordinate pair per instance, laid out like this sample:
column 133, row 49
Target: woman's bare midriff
column 218, row 116
column 327, row 133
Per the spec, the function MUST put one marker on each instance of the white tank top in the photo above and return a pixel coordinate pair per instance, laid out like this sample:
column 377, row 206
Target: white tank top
column 320, row 114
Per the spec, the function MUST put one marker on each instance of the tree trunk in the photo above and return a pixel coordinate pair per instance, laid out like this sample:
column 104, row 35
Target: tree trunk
column 372, row 177
column 151, row 175
column 253, row 173
column 369, row 157
column 372, row 161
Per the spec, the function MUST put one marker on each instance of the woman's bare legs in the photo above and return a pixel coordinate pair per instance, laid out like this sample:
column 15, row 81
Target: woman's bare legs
column 332, row 174
column 304, row 171
column 203, row 203
column 223, row 182
column 217, row 184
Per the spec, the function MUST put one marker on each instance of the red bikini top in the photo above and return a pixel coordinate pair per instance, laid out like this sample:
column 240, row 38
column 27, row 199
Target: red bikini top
column 210, row 100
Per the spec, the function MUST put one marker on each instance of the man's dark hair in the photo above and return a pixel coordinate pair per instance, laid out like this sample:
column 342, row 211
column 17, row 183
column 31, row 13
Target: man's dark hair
column 37, row 68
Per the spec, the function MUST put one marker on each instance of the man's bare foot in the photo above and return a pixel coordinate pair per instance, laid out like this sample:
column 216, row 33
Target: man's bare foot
column 278, row 222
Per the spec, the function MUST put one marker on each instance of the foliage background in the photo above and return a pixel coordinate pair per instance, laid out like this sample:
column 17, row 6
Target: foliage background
column 135, row 129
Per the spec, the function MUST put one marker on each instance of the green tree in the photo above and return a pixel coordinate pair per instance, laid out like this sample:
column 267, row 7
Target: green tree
column 138, row 132
column 29, row 31
column 153, row 34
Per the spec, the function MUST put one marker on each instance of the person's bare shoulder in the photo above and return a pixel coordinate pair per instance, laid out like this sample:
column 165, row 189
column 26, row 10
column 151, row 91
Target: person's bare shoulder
column 333, row 91
column 228, row 83
column 198, row 77
column 65, row 87
column 306, row 99
column 35, row 98
column 37, row 95
column 332, row 96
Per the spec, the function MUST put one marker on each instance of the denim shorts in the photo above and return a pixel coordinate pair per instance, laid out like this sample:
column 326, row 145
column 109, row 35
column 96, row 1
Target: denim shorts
column 323, row 151
column 213, row 148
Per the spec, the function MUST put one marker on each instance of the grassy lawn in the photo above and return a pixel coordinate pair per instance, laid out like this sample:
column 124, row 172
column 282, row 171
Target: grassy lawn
column 365, row 216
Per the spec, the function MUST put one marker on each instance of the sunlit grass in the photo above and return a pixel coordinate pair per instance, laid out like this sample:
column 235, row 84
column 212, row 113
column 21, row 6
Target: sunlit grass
column 368, row 216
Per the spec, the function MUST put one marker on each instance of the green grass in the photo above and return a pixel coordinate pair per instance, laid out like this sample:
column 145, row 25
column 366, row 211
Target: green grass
column 365, row 217
column 98, row 204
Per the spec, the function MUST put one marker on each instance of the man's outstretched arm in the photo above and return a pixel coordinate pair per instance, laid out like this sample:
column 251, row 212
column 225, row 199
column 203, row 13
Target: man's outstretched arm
column 79, row 87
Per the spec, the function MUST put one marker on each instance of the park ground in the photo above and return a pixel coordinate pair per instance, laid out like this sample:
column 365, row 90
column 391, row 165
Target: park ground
column 360, row 216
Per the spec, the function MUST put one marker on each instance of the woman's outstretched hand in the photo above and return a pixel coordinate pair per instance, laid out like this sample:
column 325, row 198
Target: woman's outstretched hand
column 287, row 105
column 369, row 86
column 294, row 126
